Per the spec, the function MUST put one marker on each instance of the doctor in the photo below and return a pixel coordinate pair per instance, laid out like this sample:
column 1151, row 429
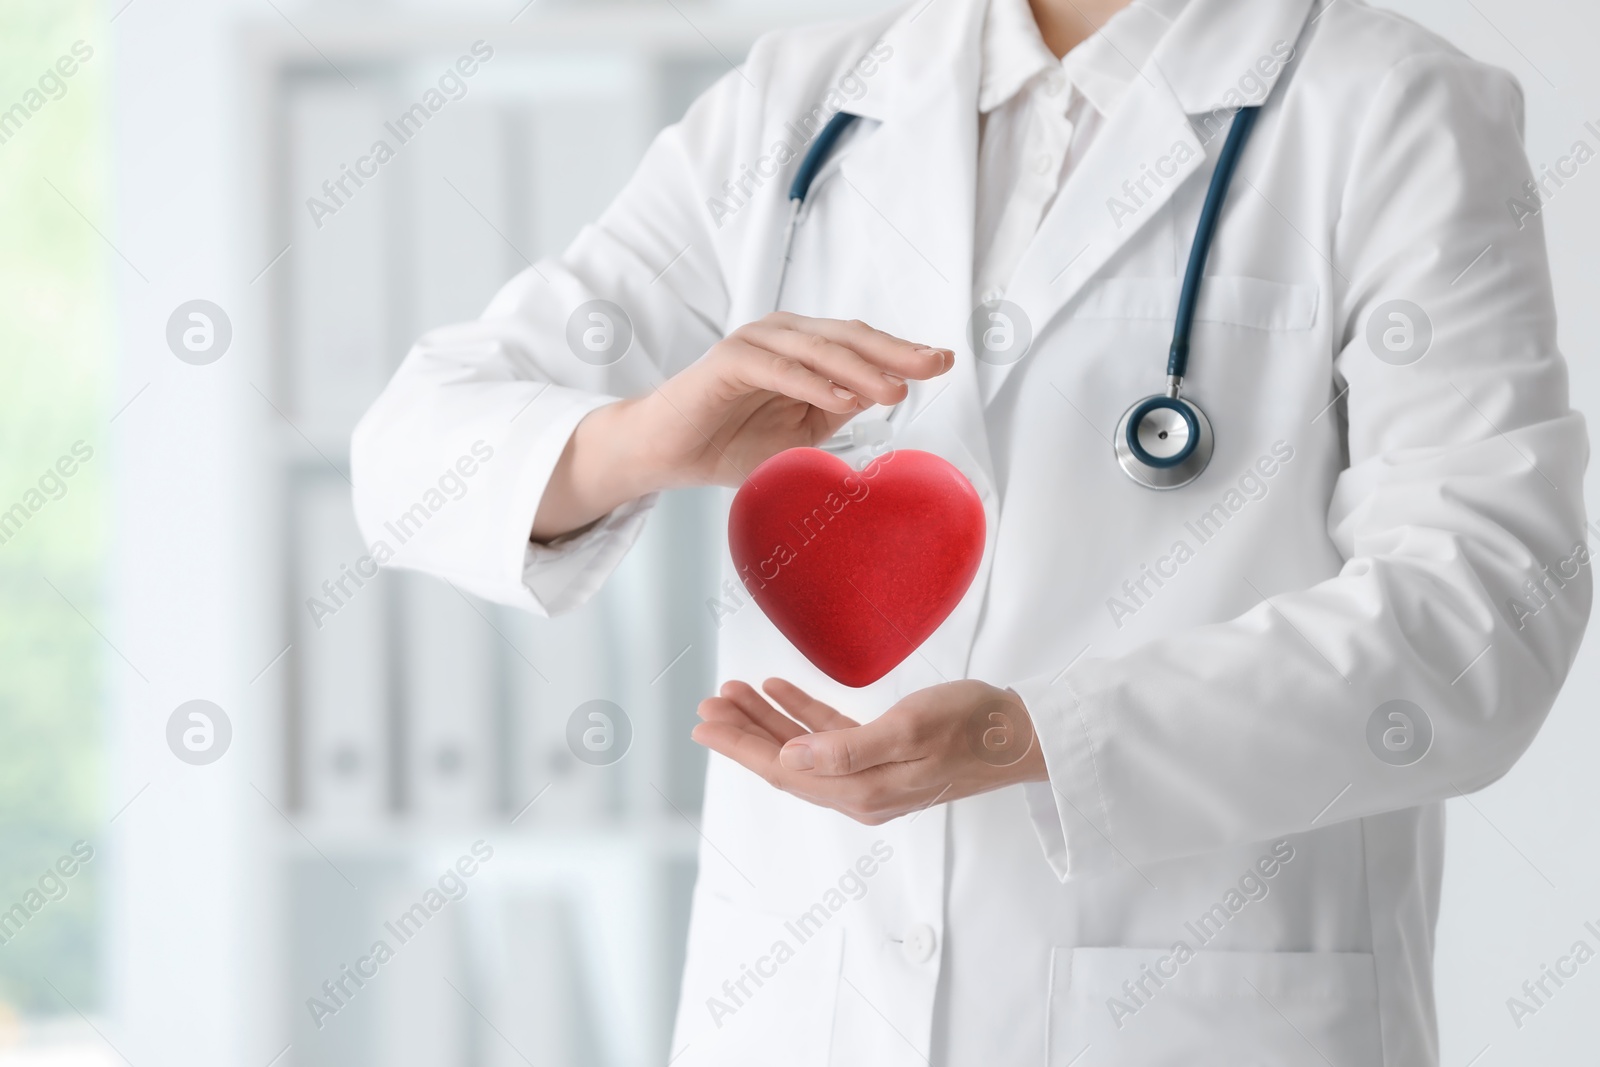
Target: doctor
column 1230, row 712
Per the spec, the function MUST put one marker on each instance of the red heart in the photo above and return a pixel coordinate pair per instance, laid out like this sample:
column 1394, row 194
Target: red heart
column 856, row 568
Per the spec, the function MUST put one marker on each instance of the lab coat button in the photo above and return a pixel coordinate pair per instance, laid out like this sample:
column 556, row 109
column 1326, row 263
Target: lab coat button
column 919, row 943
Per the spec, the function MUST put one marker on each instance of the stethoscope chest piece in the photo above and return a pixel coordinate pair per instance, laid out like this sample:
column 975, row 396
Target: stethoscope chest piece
column 1164, row 442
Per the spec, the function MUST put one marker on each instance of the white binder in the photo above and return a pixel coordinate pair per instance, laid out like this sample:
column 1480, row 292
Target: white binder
column 340, row 657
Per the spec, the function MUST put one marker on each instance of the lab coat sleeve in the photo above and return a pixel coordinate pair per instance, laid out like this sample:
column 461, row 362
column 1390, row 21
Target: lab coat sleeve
column 1463, row 485
column 500, row 396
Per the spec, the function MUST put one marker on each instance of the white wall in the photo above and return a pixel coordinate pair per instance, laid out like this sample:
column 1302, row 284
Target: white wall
column 190, row 960
column 1523, row 869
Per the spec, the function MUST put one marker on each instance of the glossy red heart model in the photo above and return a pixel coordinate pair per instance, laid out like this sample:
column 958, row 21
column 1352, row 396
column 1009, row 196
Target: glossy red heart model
column 856, row 568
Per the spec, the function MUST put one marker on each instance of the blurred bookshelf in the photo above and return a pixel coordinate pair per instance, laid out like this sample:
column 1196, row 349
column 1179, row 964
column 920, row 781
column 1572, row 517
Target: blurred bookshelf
column 416, row 719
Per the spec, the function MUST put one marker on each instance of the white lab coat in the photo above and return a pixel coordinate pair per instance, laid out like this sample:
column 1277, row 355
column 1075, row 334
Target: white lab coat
column 1364, row 534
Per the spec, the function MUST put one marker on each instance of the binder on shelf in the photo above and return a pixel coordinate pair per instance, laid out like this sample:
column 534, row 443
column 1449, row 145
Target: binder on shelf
column 343, row 243
column 468, row 236
column 341, row 641
column 447, row 704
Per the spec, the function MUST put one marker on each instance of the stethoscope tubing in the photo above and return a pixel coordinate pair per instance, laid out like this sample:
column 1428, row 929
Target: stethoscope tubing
column 1157, row 472
column 1205, row 230
column 816, row 158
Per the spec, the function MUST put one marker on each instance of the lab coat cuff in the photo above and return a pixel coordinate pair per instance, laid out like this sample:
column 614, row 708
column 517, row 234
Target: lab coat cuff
column 565, row 572
column 1069, row 811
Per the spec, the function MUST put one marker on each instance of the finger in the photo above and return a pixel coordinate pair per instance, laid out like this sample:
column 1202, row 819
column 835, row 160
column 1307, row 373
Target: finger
column 721, row 709
column 871, row 797
column 837, row 362
column 849, row 751
column 757, row 368
column 780, row 726
column 760, row 757
column 806, row 708
column 765, row 416
column 906, row 359
column 741, row 745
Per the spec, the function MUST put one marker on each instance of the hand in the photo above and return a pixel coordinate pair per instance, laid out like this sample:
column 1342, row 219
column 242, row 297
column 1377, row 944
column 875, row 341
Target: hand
column 779, row 382
column 938, row 744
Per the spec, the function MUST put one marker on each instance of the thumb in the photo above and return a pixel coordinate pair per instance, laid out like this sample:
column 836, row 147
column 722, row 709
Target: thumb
column 847, row 751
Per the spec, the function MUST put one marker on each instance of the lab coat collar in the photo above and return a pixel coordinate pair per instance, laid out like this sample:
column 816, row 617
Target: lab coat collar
column 1210, row 48
column 933, row 42
column 1103, row 65
column 1096, row 215
column 1014, row 52
column 1210, row 58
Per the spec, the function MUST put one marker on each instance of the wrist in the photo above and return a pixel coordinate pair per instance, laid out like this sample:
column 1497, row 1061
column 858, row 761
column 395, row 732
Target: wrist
column 1031, row 767
column 615, row 458
column 593, row 477
column 999, row 732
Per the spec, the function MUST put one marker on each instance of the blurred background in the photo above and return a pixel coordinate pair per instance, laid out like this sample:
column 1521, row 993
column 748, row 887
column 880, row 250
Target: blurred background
column 180, row 514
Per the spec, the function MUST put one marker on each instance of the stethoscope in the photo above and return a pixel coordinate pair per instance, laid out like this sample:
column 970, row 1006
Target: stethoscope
column 873, row 433
column 1164, row 441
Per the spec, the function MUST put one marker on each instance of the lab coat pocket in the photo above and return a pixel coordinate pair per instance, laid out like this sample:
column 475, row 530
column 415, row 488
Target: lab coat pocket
column 757, row 988
column 1234, row 300
column 1124, row 1007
